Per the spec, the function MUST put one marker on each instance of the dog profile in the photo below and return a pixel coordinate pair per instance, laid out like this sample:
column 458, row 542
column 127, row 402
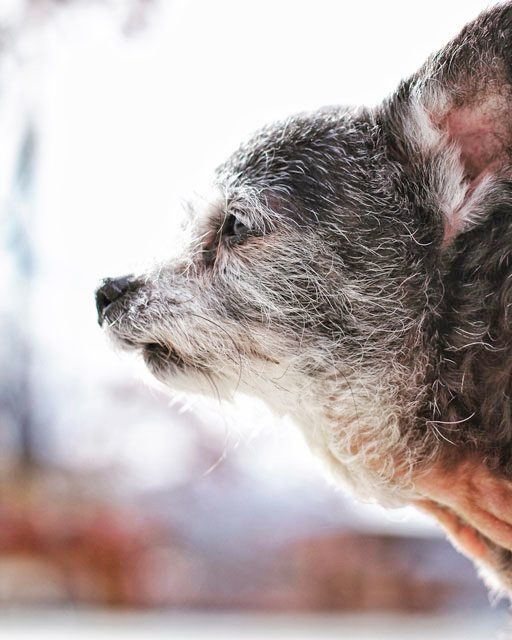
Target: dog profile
column 354, row 270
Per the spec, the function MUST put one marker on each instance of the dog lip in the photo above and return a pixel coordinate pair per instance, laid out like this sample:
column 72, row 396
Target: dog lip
column 156, row 350
column 155, row 347
column 157, row 355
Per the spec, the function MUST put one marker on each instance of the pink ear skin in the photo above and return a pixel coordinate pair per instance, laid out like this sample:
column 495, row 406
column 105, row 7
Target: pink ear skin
column 481, row 138
column 477, row 131
column 455, row 113
column 469, row 501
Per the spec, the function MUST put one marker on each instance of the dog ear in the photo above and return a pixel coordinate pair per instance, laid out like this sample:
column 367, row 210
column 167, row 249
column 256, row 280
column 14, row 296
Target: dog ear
column 452, row 120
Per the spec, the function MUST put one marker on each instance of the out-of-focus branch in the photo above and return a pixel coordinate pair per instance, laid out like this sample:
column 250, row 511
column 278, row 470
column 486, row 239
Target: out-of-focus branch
column 17, row 15
column 22, row 27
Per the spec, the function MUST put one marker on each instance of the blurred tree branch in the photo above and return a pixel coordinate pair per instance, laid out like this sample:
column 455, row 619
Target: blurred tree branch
column 21, row 22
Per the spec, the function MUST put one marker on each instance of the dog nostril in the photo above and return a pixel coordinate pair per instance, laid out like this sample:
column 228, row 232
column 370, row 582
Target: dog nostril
column 111, row 290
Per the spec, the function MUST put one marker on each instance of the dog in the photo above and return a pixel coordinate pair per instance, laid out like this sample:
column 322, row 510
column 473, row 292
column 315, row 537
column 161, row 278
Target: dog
column 354, row 270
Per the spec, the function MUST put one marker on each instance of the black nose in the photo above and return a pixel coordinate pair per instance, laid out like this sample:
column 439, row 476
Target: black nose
column 111, row 289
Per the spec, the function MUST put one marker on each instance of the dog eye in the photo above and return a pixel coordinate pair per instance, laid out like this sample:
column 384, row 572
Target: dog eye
column 234, row 227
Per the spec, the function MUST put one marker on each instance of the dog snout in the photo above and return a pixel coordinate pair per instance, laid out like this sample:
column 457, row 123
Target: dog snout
column 110, row 291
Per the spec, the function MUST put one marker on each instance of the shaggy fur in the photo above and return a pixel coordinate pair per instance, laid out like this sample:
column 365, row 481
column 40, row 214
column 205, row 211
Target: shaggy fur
column 355, row 271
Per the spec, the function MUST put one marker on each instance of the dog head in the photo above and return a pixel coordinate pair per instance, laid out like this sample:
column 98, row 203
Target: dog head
column 309, row 259
column 316, row 276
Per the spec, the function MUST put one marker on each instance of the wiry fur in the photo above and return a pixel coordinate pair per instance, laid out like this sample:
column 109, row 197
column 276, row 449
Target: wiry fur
column 371, row 296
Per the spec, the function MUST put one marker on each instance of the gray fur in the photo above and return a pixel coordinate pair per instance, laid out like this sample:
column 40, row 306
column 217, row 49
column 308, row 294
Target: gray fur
column 367, row 293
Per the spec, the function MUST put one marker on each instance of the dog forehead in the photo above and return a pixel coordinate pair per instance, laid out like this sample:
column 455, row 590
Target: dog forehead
column 288, row 149
column 309, row 167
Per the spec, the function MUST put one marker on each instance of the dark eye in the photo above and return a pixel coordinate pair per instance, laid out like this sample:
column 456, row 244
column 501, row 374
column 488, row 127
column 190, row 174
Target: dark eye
column 239, row 227
column 234, row 227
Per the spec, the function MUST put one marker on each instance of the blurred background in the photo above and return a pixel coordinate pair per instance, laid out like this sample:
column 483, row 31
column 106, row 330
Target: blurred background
column 142, row 513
